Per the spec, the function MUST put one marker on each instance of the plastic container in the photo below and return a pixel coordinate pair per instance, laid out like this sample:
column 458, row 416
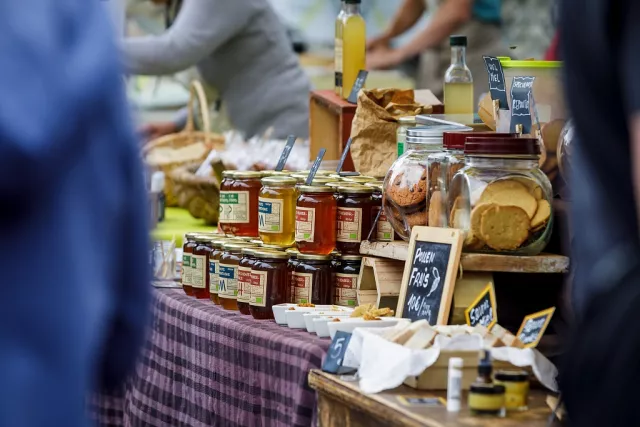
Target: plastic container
column 516, row 384
column 277, row 210
column 501, row 198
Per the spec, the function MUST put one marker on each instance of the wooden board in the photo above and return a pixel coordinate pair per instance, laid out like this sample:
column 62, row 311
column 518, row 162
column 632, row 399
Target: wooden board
column 543, row 263
column 379, row 282
column 341, row 403
column 330, row 120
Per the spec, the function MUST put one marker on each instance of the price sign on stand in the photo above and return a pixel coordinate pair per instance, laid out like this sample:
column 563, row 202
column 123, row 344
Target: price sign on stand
column 291, row 140
column 357, row 85
column 344, row 156
column 335, row 354
column 484, row 310
column 430, row 274
column 533, row 327
column 497, row 86
column 521, row 104
column 316, row 166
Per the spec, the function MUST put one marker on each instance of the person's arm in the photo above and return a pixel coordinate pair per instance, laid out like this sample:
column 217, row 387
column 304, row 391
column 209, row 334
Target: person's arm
column 201, row 27
column 405, row 18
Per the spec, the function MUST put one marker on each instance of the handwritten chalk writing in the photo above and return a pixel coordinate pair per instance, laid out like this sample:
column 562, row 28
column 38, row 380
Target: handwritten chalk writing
column 497, row 86
column 534, row 326
column 520, row 105
column 482, row 315
column 424, row 257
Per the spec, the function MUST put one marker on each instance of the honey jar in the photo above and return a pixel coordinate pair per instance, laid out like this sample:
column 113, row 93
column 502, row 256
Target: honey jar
column 362, row 179
column 269, row 282
column 239, row 193
column 187, row 251
column 346, row 280
column 214, row 270
column 229, row 264
column 355, row 205
column 200, row 267
column 277, row 206
column 316, row 211
column 384, row 230
column 313, row 280
column 291, row 268
column 244, row 279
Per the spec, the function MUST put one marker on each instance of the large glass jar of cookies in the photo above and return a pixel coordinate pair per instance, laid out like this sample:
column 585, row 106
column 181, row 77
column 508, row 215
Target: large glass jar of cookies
column 501, row 198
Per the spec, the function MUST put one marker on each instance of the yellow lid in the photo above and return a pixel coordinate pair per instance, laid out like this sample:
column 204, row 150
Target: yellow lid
column 236, row 246
column 354, row 189
column 316, row 189
column 275, row 247
column 360, row 179
column 247, row 174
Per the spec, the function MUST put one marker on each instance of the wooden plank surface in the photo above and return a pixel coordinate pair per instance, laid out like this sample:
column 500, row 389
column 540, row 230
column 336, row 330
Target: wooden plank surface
column 341, row 403
column 543, row 263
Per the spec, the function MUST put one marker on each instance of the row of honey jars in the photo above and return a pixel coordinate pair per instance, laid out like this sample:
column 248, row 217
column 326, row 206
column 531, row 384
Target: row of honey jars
column 194, row 262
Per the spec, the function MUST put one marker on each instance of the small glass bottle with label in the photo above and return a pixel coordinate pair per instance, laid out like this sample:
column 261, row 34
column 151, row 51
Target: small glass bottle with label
column 187, row 251
column 346, row 280
column 355, row 204
column 291, row 268
column 313, row 280
column 214, row 270
column 316, row 211
column 276, row 210
column 239, row 193
column 245, row 279
column 229, row 264
column 269, row 283
column 200, row 267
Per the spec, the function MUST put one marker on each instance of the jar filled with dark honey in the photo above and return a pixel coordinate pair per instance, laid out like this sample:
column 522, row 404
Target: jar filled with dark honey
column 200, row 267
column 355, row 205
column 316, row 211
column 187, row 251
column 346, row 280
column 384, row 231
column 244, row 279
column 229, row 264
column 214, row 270
column 291, row 267
column 239, row 203
column 269, row 284
column 225, row 185
column 313, row 280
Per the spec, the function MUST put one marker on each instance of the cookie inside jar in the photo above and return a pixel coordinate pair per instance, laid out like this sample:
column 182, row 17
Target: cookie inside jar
column 501, row 198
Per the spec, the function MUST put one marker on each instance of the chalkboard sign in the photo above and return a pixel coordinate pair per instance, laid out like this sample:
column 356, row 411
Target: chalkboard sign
column 534, row 326
column 521, row 104
column 335, row 354
column 316, row 166
column 344, row 156
column 425, row 401
column 430, row 274
column 497, row 86
column 484, row 310
column 357, row 85
column 291, row 140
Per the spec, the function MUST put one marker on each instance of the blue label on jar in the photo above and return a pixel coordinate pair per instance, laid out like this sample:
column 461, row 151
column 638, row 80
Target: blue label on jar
column 212, row 267
column 265, row 207
column 228, row 281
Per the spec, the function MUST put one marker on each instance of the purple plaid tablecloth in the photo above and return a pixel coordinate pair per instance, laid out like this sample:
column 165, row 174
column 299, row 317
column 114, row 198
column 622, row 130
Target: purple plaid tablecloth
column 204, row 366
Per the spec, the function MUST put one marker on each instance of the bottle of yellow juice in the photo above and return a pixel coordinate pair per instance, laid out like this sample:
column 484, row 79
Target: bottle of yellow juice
column 338, row 51
column 458, row 81
column 354, row 45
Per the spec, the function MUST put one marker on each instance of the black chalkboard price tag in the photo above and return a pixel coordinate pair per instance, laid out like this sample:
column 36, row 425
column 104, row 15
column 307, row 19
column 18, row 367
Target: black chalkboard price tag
column 357, row 85
column 316, row 166
column 484, row 310
column 521, row 104
column 291, row 140
column 344, row 156
column 533, row 327
column 335, row 354
column 430, row 274
column 497, row 86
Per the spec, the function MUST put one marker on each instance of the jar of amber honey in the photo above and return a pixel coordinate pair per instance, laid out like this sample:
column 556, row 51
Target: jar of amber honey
column 313, row 280
column 355, row 205
column 200, row 267
column 291, row 268
column 346, row 280
column 269, row 284
column 239, row 194
column 187, row 251
column 214, row 270
column 277, row 206
column 229, row 264
column 244, row 279
column 316, row 211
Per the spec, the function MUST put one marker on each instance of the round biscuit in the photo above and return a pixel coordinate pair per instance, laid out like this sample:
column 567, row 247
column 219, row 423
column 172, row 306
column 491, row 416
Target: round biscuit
column 510, row 193
column 476, row 217
column 542, row 214
column 504, row 227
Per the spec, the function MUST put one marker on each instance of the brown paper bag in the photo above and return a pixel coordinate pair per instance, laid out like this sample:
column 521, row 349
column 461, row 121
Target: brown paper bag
column 373, row 131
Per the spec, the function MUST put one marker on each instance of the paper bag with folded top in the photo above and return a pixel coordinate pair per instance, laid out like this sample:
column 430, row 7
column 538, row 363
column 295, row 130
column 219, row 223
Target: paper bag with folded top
column 373, row 131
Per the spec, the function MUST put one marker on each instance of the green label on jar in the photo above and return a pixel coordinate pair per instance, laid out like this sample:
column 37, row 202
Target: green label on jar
column 400, row 148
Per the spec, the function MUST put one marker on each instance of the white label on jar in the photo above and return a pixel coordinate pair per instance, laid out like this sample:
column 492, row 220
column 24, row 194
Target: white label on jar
column 384, row 230
column 234, row 207
column 258, row 289
column 186, row 269
column 346, row 285
column 198, row 271
column 270, row 215
column 214, row 278
column 244, row 284
column 303, row 284
column 228, row 287
column 305, row 224
column 349, row 225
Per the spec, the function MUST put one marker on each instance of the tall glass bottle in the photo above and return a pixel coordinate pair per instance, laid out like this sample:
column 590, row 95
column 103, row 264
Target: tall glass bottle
column 354, row 45
column 338, row 49
column 458, row 81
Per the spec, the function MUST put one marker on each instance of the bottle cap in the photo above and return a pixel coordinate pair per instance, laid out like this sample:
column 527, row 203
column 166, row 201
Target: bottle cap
column 457, row 40
column 157, row 182
column 353, row 1
column 484, row 366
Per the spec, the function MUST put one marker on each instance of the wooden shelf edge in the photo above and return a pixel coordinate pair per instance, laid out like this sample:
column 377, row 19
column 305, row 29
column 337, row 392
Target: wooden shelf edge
column 543, row 263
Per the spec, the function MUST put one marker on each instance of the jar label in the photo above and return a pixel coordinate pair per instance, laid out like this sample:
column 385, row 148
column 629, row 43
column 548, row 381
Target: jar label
column 305, row 224
column 349, row 225
column 270, row 215
column 198, row 271
column 384, row 230
column 228, row 287
column 214, row 278
column 186, row 269
column 234, row 207
column 303, row 283
column 258, row 288
column 244, row 284
column 346, row 285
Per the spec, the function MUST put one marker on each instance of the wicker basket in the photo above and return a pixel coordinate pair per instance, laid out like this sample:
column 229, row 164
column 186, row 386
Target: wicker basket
column 200, row 195
column 186, row 137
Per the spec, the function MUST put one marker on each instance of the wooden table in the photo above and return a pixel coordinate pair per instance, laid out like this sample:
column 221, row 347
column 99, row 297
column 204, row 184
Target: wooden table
column 341, row 403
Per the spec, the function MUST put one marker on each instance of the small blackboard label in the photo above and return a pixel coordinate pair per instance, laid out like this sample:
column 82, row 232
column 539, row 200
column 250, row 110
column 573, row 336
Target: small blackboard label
column 425, row 401
column 534, row 326
column 344, row 156
column 430, row 274
column 483, row 311
column 497, row 86
column 335, row 354
column 521, row 104
column 316, row 166
column 357, row 85
column 291, row 140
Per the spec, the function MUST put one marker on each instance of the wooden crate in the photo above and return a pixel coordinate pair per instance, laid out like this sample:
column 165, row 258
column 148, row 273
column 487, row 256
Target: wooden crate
column 379, row 282
column 330, row 125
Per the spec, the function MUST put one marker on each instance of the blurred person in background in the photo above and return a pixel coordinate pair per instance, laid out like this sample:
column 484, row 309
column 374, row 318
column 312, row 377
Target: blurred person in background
column 242, row 50
column 479, row 20
column 600, row 45
column 74, row 219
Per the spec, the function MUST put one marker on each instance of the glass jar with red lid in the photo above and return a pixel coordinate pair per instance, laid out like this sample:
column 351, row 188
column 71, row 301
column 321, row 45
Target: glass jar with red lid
column 316, row 211
column 269, row 282
column 313, row 280
column 186, row 273
column 501, row 198
column 245, row 279
column 355, row 206
column 239, row 194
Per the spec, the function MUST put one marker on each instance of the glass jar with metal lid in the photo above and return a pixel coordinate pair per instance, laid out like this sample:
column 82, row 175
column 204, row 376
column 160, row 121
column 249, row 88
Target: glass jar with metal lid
column 229, row 264
column 501, row 198
column 270, row 283
column 316, row 211
column 245, row 279
column 214, row 270
column 313, row 280
column 279, row 248
column 267, row 173
column 277, row 210
column 291, row 267
column 346, row 280
column 361, row 179
column 187, row 252
column 355, row 205
column 384, row 231
column 200, row 266
column 404, row 123
column 239, row 194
